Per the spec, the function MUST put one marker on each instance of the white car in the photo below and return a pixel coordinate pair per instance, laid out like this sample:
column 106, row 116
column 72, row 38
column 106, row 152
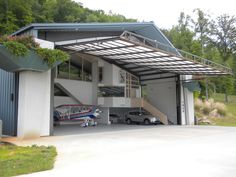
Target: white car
column 141, row 117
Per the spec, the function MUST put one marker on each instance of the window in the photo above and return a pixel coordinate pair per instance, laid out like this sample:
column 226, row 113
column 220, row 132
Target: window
column 132, row 83
column 76, row 69
column 112, row 91
column 63, row 70
column 122, row 76
column 87, row 70
column 100, row 74
column 75, row 72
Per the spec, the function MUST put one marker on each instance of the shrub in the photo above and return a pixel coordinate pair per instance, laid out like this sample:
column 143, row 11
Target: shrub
column 221, row 108
column 198, row 104
column 28, row 41
column 51, row 56
column 16, row 48
column 206, row 109
column 19, row 46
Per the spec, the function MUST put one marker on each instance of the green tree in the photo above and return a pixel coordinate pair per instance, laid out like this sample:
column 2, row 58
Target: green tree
column 223, row 36
column 15, row 14
column 201, row 28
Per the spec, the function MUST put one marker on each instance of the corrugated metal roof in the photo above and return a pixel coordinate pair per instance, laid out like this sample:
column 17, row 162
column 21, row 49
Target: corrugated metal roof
column 147, row 29
column 131, row 51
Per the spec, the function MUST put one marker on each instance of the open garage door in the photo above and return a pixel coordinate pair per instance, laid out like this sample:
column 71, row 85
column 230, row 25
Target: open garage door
column 144, row 57
column 148, row 60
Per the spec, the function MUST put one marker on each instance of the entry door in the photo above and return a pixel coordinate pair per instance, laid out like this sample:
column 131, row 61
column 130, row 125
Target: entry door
column 8, row 102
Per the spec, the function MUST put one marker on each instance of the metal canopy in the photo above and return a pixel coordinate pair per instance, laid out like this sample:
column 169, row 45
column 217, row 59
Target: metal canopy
column 142, row 56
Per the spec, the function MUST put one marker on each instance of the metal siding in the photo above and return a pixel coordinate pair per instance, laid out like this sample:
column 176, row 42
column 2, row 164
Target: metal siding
column 8, row 102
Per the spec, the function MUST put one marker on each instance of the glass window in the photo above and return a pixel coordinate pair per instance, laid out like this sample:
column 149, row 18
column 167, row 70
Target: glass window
column 112, row 91
column 63, row 70
column 122, row 76
column 76, row 69
column 87, row 70
column 100, row 74
column 75, row 72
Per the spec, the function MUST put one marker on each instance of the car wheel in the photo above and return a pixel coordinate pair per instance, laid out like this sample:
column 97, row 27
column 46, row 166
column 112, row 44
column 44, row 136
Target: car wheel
column 146, row 121
column 128, row 121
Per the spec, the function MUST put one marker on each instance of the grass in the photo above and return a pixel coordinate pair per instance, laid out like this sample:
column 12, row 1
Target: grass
column 229, row 119
column 16, row 160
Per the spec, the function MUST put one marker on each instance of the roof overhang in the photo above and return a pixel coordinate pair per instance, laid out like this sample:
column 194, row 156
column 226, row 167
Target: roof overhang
column 143, row 56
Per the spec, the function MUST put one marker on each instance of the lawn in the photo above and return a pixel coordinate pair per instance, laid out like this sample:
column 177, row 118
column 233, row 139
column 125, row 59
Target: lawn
column 16, row 160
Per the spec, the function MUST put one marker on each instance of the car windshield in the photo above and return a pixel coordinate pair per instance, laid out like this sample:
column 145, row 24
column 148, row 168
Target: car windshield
column 144, row 113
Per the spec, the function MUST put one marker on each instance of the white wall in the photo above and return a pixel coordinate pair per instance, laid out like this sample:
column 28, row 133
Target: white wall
column 114, row 101
column 80, row 89
column 162, row 95
column 111, row 74
column 34, row 101
column 187, row 104
column 34, row 104
column 44, row 44
column 60, row 100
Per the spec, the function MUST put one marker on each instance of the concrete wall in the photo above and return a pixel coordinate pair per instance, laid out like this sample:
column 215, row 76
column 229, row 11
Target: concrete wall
column 80, row 89
column 162, row 95
column 34, row 104
column 103, row 118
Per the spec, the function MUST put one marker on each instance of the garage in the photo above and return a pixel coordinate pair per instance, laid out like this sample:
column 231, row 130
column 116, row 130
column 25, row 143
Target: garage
column 113, row 67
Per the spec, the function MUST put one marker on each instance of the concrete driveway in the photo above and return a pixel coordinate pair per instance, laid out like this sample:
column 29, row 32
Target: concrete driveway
column 173, row 151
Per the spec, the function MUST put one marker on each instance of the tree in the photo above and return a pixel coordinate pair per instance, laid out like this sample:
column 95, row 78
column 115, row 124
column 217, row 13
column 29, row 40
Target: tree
column 181, row 36
column 201, row 28
column 223, row 36
column 15, row 14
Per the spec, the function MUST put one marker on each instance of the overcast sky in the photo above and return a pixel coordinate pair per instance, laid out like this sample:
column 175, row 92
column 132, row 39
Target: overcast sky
column 164, row 13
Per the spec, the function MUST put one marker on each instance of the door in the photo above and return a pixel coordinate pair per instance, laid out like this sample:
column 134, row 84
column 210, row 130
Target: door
column 8, row 102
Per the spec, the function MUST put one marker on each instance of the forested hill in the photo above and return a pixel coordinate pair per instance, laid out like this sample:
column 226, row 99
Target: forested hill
column 15, row 14
column 202, row 35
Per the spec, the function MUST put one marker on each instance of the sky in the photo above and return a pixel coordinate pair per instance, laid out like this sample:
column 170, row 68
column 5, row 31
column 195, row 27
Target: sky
column 163, row 13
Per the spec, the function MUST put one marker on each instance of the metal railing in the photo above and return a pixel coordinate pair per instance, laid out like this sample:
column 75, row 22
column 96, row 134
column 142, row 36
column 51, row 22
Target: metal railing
column 174, row 52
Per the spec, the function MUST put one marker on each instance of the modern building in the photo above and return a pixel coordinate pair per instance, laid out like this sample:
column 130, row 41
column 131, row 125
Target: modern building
column 116, row 66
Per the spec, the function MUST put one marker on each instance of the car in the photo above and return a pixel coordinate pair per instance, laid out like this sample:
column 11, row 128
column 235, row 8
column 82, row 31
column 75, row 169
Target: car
column 141, row 117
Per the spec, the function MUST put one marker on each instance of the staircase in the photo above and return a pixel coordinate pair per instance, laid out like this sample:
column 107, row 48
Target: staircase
column 154, row 111
column 62, row 88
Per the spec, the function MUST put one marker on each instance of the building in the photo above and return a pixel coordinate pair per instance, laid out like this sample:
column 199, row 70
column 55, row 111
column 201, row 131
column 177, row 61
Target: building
column 117, row 66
